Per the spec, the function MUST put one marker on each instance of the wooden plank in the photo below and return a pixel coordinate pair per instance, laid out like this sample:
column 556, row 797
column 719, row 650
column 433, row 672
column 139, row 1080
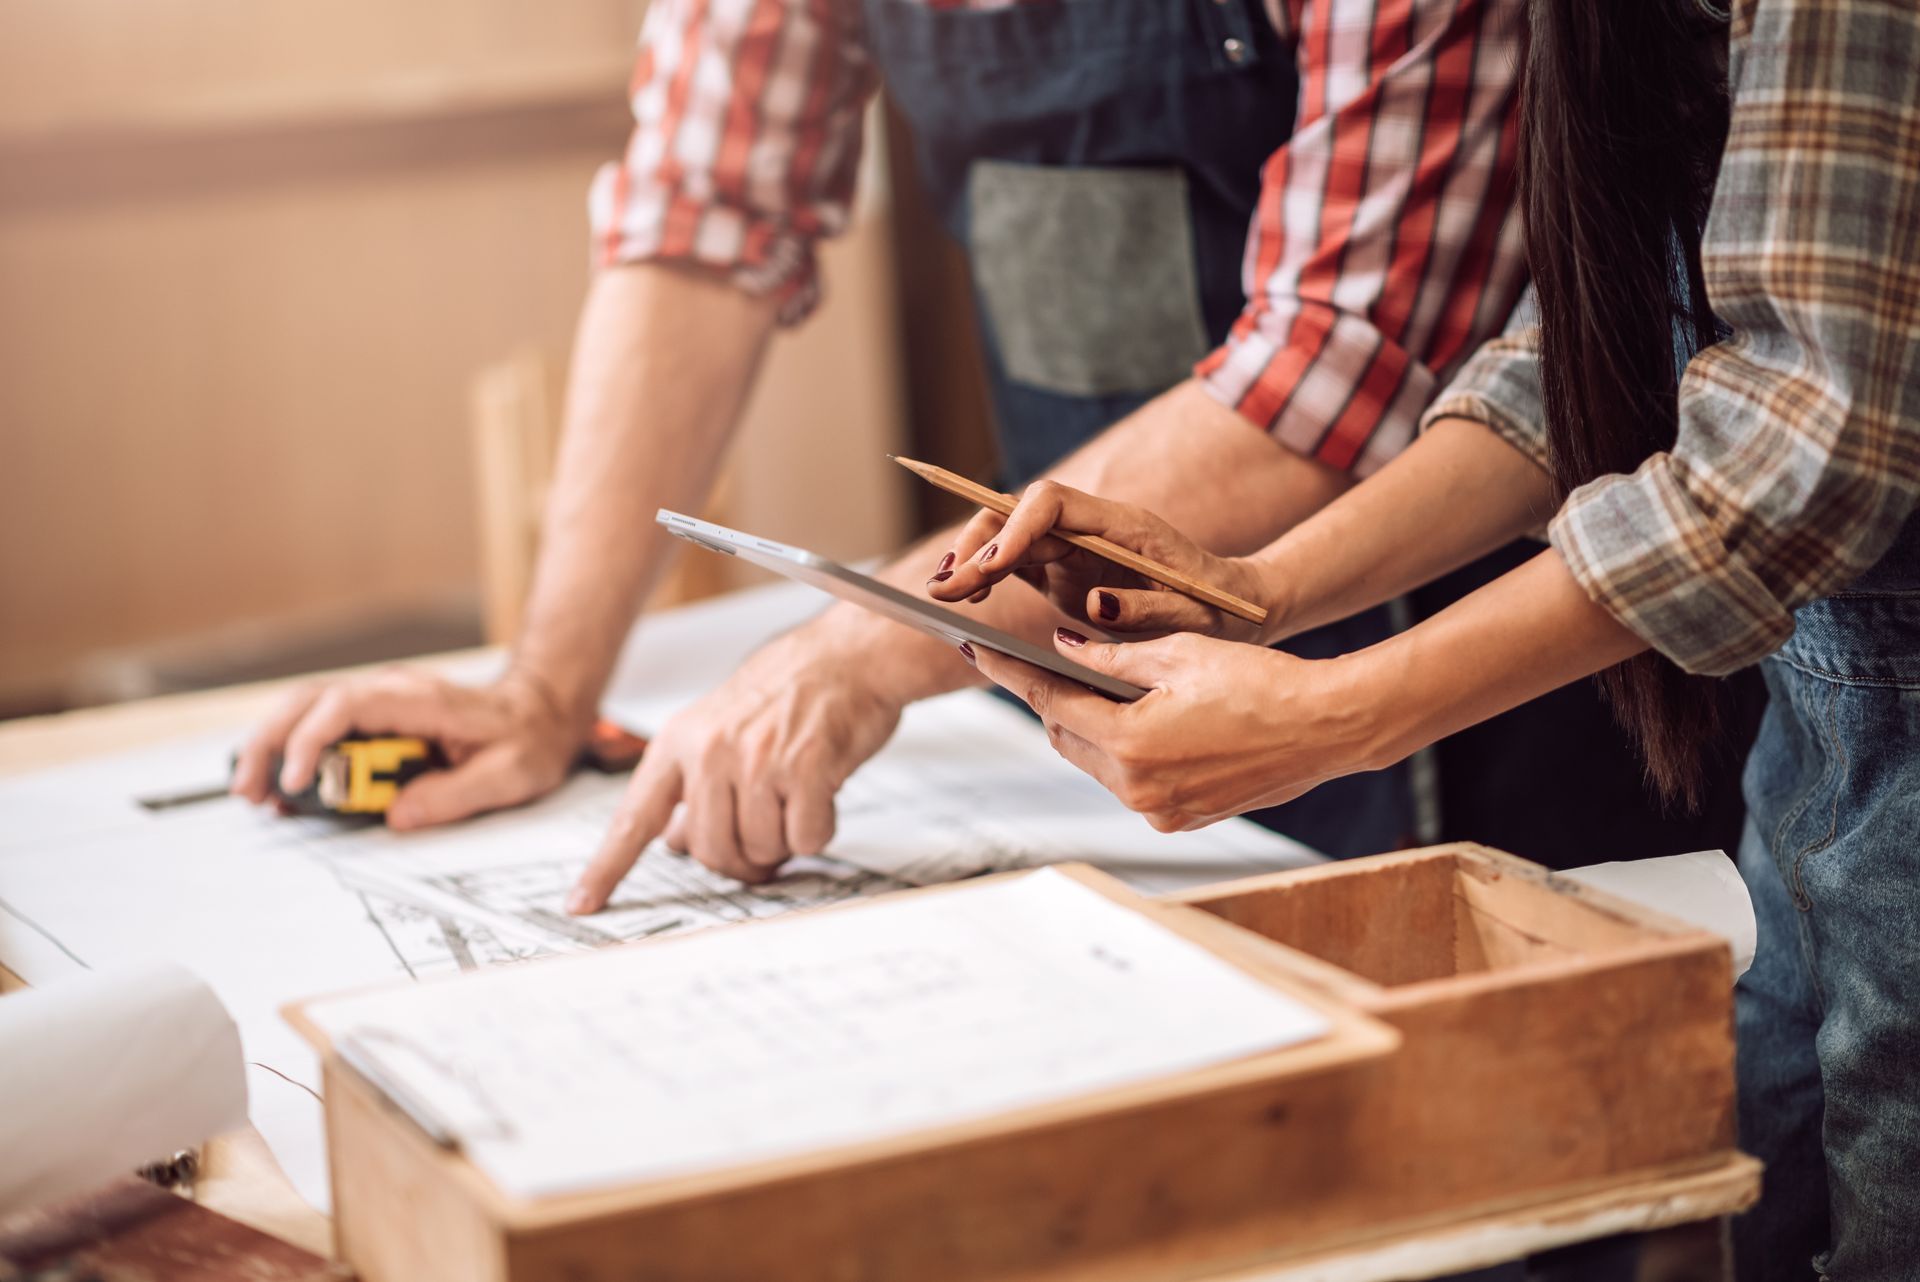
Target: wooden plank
column 1334, row 913
column 514, row 436
column 131, row 1231
column 436, row 1229
column 1508, row 914
column 1432, row 1248
column 1441, row 1249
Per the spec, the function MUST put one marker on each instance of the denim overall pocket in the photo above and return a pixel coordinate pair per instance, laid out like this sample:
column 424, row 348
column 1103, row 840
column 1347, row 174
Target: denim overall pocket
column 1087, row 275
column 1100, row 160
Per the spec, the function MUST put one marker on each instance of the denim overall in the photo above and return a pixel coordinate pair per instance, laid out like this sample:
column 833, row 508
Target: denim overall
column 1100, row 161
column 1829, row 1016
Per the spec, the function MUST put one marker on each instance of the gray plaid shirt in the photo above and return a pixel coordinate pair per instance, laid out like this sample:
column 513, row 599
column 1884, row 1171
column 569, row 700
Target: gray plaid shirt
column 1798, row 455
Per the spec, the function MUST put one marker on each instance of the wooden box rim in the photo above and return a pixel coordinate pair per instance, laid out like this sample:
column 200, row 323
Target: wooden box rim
column 1657, row 934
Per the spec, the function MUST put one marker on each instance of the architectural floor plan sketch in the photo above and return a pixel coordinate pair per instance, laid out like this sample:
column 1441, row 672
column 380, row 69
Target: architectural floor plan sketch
column 427, row 943
column 725, row 1047
column 666, row 894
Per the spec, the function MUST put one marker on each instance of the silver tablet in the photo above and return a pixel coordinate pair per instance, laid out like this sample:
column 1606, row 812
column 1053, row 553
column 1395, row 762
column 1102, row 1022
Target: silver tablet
column 923, row 615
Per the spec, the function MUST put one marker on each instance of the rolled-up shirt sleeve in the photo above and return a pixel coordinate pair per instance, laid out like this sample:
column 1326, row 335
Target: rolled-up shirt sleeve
column 1385, row 246
column 1499, row 386
column 745, row 145
column 1798, row 454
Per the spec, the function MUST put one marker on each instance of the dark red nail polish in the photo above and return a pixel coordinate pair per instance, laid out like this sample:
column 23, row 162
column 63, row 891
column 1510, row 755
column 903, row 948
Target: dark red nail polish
column 941, row 577
column 993, row 550
column 1068, row 637
column 966, row 652
column 946, row 563
column 1108, row 605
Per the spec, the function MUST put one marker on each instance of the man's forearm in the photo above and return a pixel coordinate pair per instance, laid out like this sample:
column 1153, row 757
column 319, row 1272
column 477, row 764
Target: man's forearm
column 1184, row 456
column 1455, row 494
column 661, row 366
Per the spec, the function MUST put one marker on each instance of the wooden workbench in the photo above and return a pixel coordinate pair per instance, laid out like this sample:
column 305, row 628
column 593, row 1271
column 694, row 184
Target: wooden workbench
column 241, row 1179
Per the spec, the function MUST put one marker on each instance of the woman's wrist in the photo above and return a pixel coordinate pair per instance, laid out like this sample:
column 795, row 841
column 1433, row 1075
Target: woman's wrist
column 1530, row 631
column 1275, row 589
column 1384, row 710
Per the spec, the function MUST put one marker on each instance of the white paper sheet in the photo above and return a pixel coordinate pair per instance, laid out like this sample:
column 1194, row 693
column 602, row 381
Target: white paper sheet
column 1703, row 888
column 271, row 910
column 101, row 1073
column 811, row 1032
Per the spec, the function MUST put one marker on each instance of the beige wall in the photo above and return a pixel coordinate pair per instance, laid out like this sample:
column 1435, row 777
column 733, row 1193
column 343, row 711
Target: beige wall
column 251, row 256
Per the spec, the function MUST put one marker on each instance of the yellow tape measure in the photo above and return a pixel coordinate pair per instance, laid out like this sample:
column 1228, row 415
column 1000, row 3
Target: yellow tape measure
column 362, row 776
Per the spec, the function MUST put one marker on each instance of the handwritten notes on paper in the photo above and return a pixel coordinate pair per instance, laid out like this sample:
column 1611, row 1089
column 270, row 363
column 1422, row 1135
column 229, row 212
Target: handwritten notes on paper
column 808, row 1032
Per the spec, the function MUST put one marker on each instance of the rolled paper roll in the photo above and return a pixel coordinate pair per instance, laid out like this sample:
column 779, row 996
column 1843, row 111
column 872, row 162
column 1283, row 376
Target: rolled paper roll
column 110, row 1071
column 1703, row 888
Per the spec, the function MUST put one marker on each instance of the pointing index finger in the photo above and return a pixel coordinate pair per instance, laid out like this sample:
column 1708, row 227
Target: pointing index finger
column 644, row 811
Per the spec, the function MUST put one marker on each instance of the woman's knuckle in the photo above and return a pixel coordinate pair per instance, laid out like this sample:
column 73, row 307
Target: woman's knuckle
column 1039, row 697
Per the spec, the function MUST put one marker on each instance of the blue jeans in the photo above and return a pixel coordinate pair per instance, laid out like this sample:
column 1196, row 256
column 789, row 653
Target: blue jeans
column 1829, row 1016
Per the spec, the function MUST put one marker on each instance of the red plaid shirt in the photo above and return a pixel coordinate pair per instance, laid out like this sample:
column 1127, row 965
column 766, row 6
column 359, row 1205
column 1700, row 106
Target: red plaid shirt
column 1385, row 248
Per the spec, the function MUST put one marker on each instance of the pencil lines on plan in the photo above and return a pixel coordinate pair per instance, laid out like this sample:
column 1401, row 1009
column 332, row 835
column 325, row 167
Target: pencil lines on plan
column 44, row 933
column 666, row 894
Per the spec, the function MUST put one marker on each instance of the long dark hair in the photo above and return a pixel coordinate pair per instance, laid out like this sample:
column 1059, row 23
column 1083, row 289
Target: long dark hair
column 1622, row 121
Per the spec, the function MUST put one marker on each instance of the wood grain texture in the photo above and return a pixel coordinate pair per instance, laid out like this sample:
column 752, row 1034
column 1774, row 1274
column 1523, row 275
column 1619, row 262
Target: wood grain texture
column 1165, row 575
column 1550, row 1037
column 131, row 1231
column 1660, row 1201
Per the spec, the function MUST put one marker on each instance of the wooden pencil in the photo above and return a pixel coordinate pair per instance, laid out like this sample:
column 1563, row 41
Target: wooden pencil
column 1165, row 575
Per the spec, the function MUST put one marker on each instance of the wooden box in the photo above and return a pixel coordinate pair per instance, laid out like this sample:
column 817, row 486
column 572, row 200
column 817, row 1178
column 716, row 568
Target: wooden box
column 1501, row 1039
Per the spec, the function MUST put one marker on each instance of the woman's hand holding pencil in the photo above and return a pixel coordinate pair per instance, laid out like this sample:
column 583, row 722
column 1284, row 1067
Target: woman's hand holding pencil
column 1183, row 588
